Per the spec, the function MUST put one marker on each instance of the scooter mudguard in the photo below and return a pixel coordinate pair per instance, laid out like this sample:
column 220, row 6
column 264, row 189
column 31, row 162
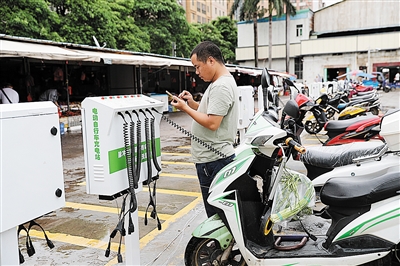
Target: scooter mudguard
column 310, row 117
column 352, row 111
column 214, row 228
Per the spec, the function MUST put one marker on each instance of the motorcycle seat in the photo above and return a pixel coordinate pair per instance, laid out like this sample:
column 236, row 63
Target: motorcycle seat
column 362, row 93
column 342, row 125
column 360, row 191
column 340, row 155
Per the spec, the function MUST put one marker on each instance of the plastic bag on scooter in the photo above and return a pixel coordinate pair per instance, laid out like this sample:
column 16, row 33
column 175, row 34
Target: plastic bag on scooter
column 295, row 195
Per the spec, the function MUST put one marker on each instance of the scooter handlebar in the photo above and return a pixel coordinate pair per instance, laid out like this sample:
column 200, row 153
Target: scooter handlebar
column 295, row 145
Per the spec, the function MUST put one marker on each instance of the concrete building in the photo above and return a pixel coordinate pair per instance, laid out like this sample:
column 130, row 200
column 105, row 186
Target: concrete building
column 203, row 11
column 342, row 37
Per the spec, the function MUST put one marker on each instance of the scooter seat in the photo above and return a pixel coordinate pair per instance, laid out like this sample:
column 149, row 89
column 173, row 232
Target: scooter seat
column 360, row 191
column 340, row 155
column 342, row 125
column 363, row 95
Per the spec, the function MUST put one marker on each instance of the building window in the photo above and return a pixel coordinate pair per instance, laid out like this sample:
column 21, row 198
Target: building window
column 299, row 30
column 198, row 19
column 198, row 7
column 215, row 11
column 298, row 67
column 192, row 2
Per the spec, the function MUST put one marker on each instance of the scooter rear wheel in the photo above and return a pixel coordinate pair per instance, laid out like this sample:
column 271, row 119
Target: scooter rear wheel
column 374, row 111
column 203, row 251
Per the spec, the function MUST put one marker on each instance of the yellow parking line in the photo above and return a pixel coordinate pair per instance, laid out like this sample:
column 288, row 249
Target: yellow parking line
column 97, row 208
column 176, row 154
column 184, row 147
column 150, row 236
column 181, row 163
column 75, row 240
column 178, row 175
column 83, row 183
column 94, row 243
column 178, row 192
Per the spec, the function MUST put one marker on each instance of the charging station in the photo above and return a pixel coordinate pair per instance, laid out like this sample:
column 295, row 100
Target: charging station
column 121, row 137
column 31, row 171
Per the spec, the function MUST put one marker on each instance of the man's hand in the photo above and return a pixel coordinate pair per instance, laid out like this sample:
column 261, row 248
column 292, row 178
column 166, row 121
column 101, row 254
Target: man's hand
column 186, row 96
column 184, row 100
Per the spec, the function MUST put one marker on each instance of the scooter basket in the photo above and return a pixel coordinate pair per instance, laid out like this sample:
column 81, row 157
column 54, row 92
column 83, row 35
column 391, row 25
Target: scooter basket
column 294, row 196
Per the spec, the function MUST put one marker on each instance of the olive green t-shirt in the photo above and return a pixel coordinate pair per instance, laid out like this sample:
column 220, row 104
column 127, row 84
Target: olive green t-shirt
column 221, row 98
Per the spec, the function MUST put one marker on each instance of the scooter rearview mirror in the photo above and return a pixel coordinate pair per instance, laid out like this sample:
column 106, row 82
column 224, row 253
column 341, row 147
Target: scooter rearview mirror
column 265, row 78
column 291, row 109
column 265, row 82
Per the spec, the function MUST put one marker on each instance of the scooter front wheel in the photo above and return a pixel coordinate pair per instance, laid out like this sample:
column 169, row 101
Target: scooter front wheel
column 206, row 251
column 312, row 127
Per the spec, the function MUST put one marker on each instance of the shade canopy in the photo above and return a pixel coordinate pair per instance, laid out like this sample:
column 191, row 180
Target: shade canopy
column 42, row 51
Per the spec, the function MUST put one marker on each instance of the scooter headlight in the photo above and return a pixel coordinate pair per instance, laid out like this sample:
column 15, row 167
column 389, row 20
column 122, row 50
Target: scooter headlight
column 261, row 140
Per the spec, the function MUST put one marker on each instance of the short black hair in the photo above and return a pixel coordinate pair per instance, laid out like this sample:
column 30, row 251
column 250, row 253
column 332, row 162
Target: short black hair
column 7, row 85
column 206, row 49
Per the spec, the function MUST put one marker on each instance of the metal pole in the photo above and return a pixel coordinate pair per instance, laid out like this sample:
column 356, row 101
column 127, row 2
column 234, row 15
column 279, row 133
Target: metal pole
column 140, row 80
column 66, row 83
column 368, row 63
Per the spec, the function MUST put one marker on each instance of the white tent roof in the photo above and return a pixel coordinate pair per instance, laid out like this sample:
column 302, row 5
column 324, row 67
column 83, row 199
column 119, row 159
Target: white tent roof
column 42, row 51
column 126, row 59
column 10, row 48
column 51, row 51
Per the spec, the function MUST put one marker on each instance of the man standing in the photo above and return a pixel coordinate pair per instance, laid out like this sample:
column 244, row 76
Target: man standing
column 215, row 117
column 397, row 77
column 8, row 94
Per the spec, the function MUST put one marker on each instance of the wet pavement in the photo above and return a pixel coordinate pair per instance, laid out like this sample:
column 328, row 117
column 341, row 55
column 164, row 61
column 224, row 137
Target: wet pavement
column 80, row 231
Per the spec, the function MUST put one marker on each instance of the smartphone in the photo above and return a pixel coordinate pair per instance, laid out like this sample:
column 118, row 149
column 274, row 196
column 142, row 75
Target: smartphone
column 170, row 94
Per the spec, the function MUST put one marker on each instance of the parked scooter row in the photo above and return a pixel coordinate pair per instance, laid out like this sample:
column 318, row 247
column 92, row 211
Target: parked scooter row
column 358, row 129
column 317, row 113
column 362, row 213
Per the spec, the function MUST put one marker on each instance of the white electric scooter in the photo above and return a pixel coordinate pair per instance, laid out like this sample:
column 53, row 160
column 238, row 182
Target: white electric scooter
column 358, row 159
column 362, row 213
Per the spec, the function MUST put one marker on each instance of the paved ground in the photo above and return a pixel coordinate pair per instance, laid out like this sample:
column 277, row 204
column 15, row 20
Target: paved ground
column 80, row 230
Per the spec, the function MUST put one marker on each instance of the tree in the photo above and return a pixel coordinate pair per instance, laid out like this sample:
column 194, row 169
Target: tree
column 29, row 18
column 93, row 20
column 250, row 10
column 130, row 36
column 277, row 6
column 165, row 23
column 208, row 32
column 227, row 27
column 85, row 19
column 290, row 11
column 193, row 37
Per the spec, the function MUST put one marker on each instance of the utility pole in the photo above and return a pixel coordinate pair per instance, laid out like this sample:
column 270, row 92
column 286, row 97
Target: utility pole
column 173, row 49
